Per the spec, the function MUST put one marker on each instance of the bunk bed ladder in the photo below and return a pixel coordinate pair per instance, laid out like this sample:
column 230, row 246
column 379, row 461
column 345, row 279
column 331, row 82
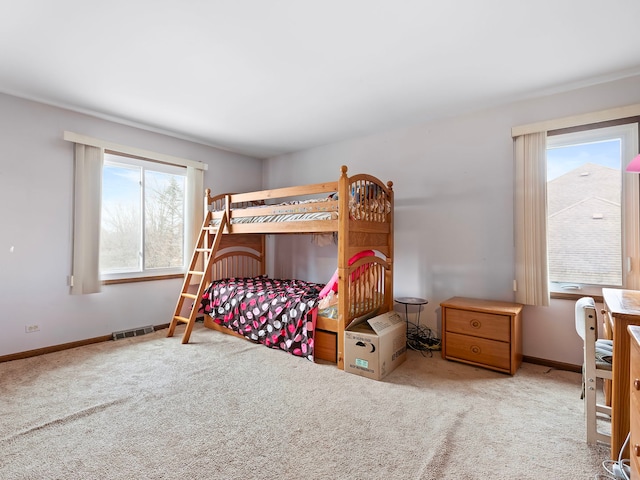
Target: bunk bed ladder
column 207, row 254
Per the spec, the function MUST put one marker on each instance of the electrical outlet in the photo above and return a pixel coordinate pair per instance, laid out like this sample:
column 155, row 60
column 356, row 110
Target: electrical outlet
column 31, row 328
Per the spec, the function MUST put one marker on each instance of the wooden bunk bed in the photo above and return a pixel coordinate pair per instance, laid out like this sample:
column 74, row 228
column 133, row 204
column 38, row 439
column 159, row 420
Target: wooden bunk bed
column 231, row 245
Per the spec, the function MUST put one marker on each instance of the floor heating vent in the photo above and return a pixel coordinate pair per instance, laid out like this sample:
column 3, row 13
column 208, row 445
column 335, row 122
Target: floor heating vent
column 134, row 332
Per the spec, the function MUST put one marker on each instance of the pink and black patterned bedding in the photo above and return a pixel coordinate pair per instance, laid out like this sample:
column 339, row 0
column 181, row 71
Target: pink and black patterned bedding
column 277, row 313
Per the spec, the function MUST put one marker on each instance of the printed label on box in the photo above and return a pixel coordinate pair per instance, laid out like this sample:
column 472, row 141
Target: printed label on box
column 362, row 363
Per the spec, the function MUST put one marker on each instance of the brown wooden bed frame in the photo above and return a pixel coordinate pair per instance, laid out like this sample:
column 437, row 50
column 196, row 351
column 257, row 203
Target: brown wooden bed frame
column 228, row 249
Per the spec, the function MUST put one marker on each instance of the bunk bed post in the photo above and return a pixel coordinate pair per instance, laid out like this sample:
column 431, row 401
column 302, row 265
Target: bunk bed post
column 263, row 249
column 207, row 243
column 343, row 263
column 227, row 209
column 388, row 278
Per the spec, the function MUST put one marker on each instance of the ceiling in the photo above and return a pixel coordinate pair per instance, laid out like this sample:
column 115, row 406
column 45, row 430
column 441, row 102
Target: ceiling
column 265, row 77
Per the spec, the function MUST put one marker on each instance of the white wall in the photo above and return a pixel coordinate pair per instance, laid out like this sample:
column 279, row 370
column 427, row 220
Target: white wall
column 36, row 178
column 453, row 183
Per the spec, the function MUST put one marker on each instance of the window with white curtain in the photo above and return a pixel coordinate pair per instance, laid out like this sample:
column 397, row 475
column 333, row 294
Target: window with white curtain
column 543, row 266
column 137, row 213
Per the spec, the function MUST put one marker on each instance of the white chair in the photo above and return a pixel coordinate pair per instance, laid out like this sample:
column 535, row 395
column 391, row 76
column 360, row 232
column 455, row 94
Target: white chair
column 598, row 354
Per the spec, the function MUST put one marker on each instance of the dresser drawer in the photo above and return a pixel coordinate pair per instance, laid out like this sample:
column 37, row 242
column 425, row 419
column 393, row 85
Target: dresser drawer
column 478, row 350
column 479, row 324
column 634, row 441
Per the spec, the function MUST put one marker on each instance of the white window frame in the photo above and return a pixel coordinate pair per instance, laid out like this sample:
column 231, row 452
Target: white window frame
column 146, row 164
column 630, row 203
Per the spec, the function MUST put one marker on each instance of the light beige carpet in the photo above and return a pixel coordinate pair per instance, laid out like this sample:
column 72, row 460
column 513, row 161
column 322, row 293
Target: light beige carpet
column 223, row 408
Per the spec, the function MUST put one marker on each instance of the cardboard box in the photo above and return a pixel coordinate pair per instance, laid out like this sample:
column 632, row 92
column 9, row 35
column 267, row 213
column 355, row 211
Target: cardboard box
column 376, row 346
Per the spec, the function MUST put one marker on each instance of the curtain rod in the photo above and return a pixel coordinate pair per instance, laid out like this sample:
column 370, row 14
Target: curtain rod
column 577, row 120
column 138, row 152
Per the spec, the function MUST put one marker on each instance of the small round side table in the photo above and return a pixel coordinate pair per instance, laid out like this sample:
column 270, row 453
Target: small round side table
column 415, row 301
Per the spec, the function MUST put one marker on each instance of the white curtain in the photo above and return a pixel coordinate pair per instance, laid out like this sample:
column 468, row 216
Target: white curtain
column 194, row 211
column 86, row 221
column 532, row 275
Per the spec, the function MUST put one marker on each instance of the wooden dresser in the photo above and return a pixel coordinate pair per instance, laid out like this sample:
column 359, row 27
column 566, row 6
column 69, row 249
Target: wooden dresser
column 484, row 333
column 634, row 442
column 621, row 309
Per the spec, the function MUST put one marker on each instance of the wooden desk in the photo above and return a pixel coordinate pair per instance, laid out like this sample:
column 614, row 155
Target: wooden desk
column 621, row 309
column 634, row 403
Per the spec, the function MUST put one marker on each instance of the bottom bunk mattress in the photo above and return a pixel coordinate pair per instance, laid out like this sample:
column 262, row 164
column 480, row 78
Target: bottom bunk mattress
column 277, row 313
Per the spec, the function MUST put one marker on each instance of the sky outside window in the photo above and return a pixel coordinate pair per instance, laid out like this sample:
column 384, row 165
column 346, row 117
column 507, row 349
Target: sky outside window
column 120, row 186
column 561, row 160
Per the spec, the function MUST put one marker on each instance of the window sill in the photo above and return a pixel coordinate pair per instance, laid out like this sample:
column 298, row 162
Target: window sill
column 142, row 279
column 576, row 296
column 579, row 291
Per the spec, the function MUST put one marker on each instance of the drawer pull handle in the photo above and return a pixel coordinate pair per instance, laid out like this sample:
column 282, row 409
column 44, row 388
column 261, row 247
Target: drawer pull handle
column 636, row 384
column 636, row 450
column 475, row 349
column 475, row 323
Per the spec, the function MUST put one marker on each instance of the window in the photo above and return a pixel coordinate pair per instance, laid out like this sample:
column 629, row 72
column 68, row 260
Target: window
column 143, row 218
column 592, row 209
